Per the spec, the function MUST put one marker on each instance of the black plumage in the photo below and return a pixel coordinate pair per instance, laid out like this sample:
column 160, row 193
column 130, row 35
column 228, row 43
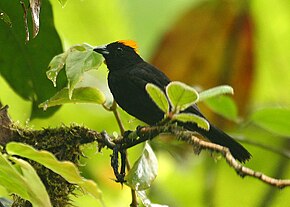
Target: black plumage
column 127, row 78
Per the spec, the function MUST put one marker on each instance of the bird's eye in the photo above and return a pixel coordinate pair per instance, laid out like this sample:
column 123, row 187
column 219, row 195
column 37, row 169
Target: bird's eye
column 120, row 49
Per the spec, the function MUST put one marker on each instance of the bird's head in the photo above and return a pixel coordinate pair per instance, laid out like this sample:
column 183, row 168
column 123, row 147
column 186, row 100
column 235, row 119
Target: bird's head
column 120, row 55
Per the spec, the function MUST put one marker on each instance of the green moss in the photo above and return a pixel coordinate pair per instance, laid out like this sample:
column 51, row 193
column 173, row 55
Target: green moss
column 64, row 142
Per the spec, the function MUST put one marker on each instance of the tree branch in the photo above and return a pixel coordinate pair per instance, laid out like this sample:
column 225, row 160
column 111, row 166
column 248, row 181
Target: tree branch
column 147, row 133
column 52, row 139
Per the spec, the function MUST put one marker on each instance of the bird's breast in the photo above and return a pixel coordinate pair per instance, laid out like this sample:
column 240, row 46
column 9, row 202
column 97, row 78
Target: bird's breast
column 133, row 98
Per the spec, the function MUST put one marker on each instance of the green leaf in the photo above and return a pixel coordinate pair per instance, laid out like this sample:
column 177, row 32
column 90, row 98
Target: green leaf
column 80, row 58
column 180, row 95
column 275, row 120
column 23, row 65
column 63, row 3
column 5, row 18
column 27, row 185
column 188, row 117
column 65, row 169
column 56, row 64
column 35, row 188
column 224, row 106
column 144, row 170
column 11, row 179
column 80, row 95
column 158, row 97
column 216, row 91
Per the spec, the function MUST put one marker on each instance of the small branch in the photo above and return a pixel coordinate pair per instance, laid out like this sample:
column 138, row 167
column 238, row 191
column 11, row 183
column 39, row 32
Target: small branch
column 134, row 202
column 81, row 135
column 113, row 108
column 239, row 168
column 5, row 123
column 105, row 140
column 204, row 145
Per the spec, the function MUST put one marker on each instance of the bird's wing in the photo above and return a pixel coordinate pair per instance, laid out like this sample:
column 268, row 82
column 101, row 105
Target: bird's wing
column 145, row 73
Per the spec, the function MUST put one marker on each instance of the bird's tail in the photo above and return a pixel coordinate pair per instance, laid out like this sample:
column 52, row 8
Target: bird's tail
column 217, row 136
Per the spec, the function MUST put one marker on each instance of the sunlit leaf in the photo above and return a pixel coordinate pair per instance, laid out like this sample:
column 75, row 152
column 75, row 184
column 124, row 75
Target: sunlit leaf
column 144, row 170
column 181, row 95
column 146, row 201
column 80, row 95
column 216, row 91
column 26, row 185
column 64, row 168
column 35, row 188
column 158, row 97
column 35, row 10
column 80, row 59
column 189, row 117
column 275, row 120
column 56, row 64
column 81, row 48
column 224, row 106
column 11, row 179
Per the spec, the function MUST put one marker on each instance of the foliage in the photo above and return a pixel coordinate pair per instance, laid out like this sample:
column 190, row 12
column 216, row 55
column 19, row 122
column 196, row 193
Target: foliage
column 25, row 184
column 39, row 172
column 64, row 168
column 144, row 170
column 23, row 65
column 275, row 120
column 78, row 59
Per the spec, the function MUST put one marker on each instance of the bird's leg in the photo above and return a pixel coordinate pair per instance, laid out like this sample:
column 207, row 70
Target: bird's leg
column 115, row 165
column 127, row 137
column 123, row 165
column 114, row 161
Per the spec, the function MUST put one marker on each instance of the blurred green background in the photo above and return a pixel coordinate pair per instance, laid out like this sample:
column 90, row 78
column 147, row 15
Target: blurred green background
column 204, row 43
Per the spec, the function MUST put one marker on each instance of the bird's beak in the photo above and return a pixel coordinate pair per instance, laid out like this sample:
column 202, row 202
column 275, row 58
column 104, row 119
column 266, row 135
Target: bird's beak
column 102, row 50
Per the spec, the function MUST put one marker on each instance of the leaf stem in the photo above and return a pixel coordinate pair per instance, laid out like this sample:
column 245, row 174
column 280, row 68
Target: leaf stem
column 133, row 192
column 113, row 108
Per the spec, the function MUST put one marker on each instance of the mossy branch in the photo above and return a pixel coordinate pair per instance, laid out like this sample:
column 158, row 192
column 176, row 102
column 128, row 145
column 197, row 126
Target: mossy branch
column 65, row 141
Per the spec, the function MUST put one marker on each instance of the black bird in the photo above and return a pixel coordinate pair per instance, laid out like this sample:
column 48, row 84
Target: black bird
column 127, row 78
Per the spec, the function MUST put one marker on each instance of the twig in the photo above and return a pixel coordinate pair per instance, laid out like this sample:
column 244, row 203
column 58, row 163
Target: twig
column 239, row 168
column 142, row 134
column 117, row 117
column 134, row 202
column 204, row 145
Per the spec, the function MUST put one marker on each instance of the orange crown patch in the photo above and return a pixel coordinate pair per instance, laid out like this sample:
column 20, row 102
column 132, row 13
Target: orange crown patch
column 129, row 43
